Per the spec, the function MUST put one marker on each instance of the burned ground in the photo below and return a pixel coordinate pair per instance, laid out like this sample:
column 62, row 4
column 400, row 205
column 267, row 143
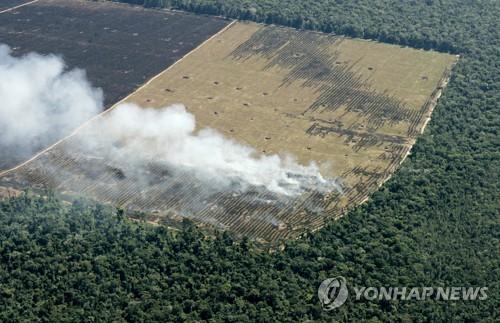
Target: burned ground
column 119, row 46
column 353, row 106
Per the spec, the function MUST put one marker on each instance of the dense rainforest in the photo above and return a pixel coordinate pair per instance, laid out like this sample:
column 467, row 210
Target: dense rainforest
column 435, row 223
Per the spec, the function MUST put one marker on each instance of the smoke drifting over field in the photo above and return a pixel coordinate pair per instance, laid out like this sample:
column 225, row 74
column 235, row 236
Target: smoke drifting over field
column 169, row 135
column 40, row 100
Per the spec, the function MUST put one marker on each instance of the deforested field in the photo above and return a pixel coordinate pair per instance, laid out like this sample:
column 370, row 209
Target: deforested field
column 120, row 47
column 354, row 107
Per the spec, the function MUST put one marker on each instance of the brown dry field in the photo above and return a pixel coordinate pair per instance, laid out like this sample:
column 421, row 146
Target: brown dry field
column 354, row 107
column 246, row 100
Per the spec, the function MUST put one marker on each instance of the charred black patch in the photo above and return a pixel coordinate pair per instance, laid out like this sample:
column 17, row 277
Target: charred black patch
column 308, row 58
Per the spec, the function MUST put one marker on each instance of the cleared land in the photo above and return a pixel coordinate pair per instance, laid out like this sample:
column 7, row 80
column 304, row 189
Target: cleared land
column 119, row 46
column 356, row 107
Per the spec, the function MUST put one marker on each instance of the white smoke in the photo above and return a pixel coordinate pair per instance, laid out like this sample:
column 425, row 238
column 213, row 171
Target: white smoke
column 39, row 98
column 169, row 135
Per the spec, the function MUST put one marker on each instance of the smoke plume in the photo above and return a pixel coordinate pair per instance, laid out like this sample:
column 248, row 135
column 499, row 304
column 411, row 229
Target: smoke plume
column 169, row 135
column 40, row 99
